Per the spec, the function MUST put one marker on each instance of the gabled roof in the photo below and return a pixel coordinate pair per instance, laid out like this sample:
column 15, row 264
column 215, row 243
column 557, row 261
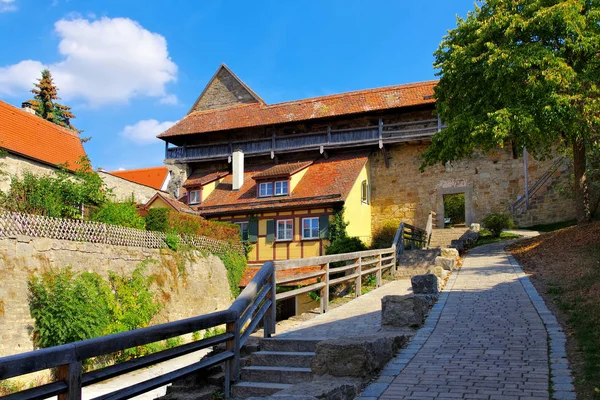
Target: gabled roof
column 33, row 137
column 326, row 182
column 224, row 71
column 153, row 177
column 201, row 178
column 282, row 170
column 260, row 114
column 173, row 203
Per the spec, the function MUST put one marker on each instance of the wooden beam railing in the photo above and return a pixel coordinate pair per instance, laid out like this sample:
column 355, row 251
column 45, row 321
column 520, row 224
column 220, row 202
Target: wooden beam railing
column 409, row 237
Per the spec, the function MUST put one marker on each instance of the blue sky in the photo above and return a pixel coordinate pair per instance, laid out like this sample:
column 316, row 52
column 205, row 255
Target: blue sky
column 129, row 69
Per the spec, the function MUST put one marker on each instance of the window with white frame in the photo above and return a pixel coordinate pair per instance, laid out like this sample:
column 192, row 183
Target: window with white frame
column 364, row 192
column 265, row 189
column 194, row 197
column 243, row 230
column 281, row 188
column 310, row 228
column 285, row 229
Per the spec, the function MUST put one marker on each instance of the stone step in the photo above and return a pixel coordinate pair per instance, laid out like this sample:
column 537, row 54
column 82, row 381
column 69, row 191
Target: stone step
column 282, row 358
column 293, row 345
column 244, row 390
column 276, row 374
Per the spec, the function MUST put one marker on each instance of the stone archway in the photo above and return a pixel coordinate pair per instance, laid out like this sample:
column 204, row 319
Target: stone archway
column 468, row 192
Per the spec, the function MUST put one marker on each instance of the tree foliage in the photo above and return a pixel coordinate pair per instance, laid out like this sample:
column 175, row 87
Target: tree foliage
column 521, row 72
column 119, row 213
column 45, row 105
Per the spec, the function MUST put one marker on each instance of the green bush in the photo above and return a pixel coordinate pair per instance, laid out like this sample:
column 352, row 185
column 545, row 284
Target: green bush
column 122, row 214
column 157, row 219
column 345, row 245
column 384, row 235
column 235, row 264
column 173, row 241
column 454, row 208
column 337, row 226
column 496, row 222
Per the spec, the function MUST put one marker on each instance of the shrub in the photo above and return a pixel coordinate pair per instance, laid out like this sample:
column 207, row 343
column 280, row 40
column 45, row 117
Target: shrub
column 345, row 245
column 122, row 214
column 188, row 224
column 157, row 219
column 496, row 222
column 235, row 264
column 173, row 241
column 337, row 226
column 384, row 235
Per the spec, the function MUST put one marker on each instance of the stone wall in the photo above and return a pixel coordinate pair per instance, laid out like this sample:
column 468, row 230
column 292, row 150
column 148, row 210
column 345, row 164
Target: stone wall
column 491, row 183
column 188, row 283
column 223, row 91
column 124, row 189
column 13, row 165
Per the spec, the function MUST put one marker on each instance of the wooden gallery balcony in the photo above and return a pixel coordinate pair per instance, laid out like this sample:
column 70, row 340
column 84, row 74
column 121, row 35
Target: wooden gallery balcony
column 330, row 139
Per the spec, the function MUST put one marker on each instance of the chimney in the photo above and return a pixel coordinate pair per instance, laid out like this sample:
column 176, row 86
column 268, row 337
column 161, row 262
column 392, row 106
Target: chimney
column 238, row 169
column 27, row 107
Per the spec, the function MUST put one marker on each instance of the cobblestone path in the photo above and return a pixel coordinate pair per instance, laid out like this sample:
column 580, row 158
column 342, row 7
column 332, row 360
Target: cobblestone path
column 489, row 341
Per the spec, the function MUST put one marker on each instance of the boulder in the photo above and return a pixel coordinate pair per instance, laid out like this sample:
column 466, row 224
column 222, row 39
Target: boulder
column 405, row 311
column 444, row 262
column 475, row 227
column 426, row 284
column 440, row 272
column 450, row 253
column 357, row 357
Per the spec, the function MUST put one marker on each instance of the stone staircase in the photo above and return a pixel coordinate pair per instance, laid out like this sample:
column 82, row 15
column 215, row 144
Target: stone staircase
column 276, row 366
column 441, row 238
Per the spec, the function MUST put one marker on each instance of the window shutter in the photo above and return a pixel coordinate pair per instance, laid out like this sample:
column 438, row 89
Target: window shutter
column 270, row 231
column 253, row 231
column 324, row 227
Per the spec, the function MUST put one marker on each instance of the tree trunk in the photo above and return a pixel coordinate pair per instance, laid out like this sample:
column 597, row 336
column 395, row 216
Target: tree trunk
column 582, row 196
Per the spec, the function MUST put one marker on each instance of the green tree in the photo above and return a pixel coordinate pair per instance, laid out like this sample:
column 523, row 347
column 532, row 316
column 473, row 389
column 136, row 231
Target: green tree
column 45, row 105
column 522, row 72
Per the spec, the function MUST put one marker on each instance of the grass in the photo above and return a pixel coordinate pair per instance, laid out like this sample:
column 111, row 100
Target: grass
column 552, row 227
column 486, row 237
column 565, row 268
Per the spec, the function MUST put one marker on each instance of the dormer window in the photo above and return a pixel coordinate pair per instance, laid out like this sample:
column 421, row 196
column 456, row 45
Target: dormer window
column 281, row 188
column 265, row 189
column 194, row 197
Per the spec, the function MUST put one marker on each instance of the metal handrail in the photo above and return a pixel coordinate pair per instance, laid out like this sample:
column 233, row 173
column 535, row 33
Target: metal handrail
column 538, row 184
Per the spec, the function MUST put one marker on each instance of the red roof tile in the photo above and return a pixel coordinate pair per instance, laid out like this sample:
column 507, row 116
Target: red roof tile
column 258, row 114
column 33, row 137
column 152, row 176
column 325, row 182
column 282, row 170
column 201, row 178
column 174, row 203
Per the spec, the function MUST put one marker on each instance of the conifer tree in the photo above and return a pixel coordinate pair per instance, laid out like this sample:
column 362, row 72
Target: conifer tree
column 45, row 105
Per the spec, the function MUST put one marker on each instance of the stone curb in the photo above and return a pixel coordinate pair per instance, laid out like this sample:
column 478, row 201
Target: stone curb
column 395, row 366
column 561, row 380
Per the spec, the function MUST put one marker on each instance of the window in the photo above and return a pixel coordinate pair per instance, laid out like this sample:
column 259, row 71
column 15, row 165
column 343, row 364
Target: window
column 281, row 188
column 243, row 230
column 285, row 229
column 194, row 197
column 364, row 192
column 265, row 189
column 310, row 228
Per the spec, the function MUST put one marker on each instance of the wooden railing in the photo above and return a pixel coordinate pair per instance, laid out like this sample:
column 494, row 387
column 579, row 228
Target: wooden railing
column 255, row 304
column 409, row 237
column 332, row 138
column 360, row 264
column 531, row 191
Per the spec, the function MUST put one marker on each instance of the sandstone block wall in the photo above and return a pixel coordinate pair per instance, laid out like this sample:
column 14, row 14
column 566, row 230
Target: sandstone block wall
column 13, row 165
column 188, row 283
column 491, row 183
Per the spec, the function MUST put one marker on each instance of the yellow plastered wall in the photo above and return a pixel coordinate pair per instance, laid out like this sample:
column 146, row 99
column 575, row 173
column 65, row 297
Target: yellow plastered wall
column 159, row 203
column 208, row 189
column 296, row 178
column 357, row 213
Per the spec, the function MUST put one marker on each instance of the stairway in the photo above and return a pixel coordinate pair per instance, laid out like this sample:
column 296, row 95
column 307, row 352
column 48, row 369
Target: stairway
column 279, row 364
column 441, row 238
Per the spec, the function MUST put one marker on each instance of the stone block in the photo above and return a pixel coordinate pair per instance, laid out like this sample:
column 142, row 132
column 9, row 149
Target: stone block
column 405, row 311
column 450, row 253
column 323, row 388
column 440, row 272
column 426, row 284
column 446, row 263
column 356, row 356
column 475, row 227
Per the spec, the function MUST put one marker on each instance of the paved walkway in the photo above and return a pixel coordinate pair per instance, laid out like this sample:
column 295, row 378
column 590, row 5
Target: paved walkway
column 484, row 339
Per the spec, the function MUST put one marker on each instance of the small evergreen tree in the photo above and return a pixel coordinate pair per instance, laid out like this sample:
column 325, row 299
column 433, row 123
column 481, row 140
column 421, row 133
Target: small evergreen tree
column 45, row 105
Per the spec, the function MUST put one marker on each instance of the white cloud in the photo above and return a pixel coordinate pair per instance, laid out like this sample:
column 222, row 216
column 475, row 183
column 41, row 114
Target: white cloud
column 7, row 5
column 169, row 99
column 110, row 60
column 145, row 131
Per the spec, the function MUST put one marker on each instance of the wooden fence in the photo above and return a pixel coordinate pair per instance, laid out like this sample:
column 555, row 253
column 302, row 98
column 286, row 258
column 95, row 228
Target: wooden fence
column 13, row 224
column 409, row 237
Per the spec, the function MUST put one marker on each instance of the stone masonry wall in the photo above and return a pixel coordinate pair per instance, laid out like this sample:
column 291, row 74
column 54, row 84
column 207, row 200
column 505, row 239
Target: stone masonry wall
column 188, row 283
column 13, row 165
column 124, row 189
column 491, row 184
column 223, row 91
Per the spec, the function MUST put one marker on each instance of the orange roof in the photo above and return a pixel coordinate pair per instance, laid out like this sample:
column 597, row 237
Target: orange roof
column 199, row 178
column 174, row 203
column 325, row 182
column 152, row 176
column 34, row 137
column 282, row 170
column 259, row 114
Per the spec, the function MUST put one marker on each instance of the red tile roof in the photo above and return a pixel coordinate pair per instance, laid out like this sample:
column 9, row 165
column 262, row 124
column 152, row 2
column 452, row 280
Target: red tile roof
column 174, row 203
column 258, row 114
column 33, row 137
column 153, row 177
column 201, row 178
column 282, row 170
column 325, row 182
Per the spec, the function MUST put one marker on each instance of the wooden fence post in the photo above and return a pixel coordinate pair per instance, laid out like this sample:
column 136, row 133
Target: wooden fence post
column 325, row 291
column 232, row 366
column 378, row 283
column 270, row 319
column 71, row 374
column 358, row 280
column 394, row 257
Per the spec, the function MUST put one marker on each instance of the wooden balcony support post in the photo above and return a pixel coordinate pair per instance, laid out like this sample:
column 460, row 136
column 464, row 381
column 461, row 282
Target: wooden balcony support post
column 71, row 374
column 381, row 133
